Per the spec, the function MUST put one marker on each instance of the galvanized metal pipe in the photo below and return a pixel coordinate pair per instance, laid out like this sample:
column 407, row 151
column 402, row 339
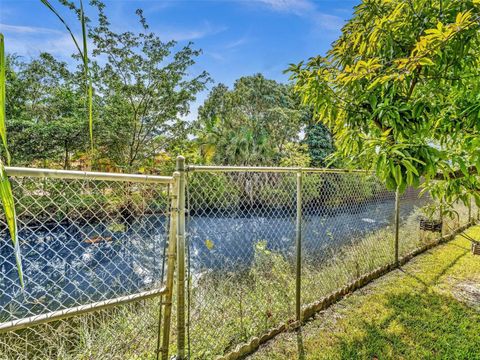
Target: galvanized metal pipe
column 86, row 175
column 470, row 210
column 172, row 246
column 181, row 260
column 298, row 242
column 204, row 168
column 78, row 310
column 397, row 225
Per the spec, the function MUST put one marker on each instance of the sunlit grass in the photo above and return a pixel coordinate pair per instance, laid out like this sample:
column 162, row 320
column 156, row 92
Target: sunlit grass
column 412, row 313
column 226, row 307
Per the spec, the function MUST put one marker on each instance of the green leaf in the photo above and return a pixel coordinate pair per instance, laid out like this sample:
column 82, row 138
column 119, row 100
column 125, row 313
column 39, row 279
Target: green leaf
column 397, row 173
column 88, row 83
column 381, row 163
column 373, row 101
column 410, row 167
column 409, row 177
column 3, row 127
column 6, row 196
column 463, row 167
column 426, row 62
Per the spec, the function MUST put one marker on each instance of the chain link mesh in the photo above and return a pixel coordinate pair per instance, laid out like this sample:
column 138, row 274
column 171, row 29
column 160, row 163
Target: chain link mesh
column 84, row 241
column 241, row 234
column 348, row 230
column 241, row 240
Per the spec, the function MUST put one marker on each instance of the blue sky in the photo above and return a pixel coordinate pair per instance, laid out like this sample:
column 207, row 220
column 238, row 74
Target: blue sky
column 238, row 37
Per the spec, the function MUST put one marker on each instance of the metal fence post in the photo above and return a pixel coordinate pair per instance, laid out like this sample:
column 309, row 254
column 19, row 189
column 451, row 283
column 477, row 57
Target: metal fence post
column 397, row 224
column 171, row 257
column 469, row 210
column 441, row 218
column 181, row 260
column 298, row 241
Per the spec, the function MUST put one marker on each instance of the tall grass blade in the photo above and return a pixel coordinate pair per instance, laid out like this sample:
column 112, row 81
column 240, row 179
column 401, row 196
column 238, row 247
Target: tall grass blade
column 84, row 55
column 9, row 207
column 88, row 82
column 3, row 127
column 53, row 10
column 6, row 194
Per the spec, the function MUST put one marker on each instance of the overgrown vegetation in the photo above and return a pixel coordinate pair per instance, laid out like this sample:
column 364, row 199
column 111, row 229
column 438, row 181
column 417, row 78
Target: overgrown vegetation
column 424, row 310
column 227, row 307
column 397, row 94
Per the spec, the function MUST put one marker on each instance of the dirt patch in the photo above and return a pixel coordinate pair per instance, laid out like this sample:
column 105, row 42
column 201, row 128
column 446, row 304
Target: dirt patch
column 468, row 292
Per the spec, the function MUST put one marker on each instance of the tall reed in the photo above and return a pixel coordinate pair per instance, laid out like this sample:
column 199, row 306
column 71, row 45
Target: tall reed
column 6, row 194
column 83, row 52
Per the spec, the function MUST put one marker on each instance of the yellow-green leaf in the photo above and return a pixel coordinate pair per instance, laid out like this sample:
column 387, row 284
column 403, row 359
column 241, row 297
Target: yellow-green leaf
column 209, row 244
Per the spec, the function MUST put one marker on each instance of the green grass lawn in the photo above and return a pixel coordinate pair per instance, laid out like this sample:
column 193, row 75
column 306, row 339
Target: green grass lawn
column 429, row 309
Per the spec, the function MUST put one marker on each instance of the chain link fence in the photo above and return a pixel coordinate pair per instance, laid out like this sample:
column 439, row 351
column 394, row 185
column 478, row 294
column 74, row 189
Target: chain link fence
column 241, row 240
column 242, row 228
column 348, row 230
column 262, row 247
column 88, row 242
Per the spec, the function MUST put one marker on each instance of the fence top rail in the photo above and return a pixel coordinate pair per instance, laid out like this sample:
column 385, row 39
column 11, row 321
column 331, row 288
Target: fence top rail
column 266, row 169
column 86, row 175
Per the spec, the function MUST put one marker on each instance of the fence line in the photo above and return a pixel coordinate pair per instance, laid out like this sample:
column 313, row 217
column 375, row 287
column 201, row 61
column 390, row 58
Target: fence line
column 87, row 175
column 249, row 252
column 94, row 271
column 270, row 169
column 230, row 314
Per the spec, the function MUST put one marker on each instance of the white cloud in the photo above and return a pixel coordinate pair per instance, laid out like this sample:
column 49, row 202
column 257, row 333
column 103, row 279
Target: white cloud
column 306, row 9
column 327, row 21
column 207, row 29
column 16, row 29
column 236, row 43
column 31, row 44
column 298, row 7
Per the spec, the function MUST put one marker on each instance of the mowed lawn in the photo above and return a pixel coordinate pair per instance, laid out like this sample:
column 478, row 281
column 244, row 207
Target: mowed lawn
column 429, row 309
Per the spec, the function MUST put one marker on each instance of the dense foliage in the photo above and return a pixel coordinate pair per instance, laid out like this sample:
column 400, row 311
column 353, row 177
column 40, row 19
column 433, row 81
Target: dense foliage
column 46, row 117
column 143, row 89
column 258, row 122
column 400, row 91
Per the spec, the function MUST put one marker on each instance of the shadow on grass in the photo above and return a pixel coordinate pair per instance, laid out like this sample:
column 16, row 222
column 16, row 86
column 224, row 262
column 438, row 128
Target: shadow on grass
column 421, row 324
column 441, row 271
column 300, row 346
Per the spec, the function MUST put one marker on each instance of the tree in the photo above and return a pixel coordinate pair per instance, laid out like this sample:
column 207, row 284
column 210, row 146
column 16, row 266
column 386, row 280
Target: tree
column 250, row 124
column 399, row 90
column 145, row 89
column 45, row 111
column 320, row 144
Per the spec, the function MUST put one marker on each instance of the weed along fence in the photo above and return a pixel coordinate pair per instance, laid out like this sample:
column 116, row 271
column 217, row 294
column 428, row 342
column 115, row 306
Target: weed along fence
column 206, row 263
column 98, row 261
column 268, row 247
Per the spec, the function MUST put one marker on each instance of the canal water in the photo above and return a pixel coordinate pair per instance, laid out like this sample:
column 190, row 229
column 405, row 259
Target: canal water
column 72, row 264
